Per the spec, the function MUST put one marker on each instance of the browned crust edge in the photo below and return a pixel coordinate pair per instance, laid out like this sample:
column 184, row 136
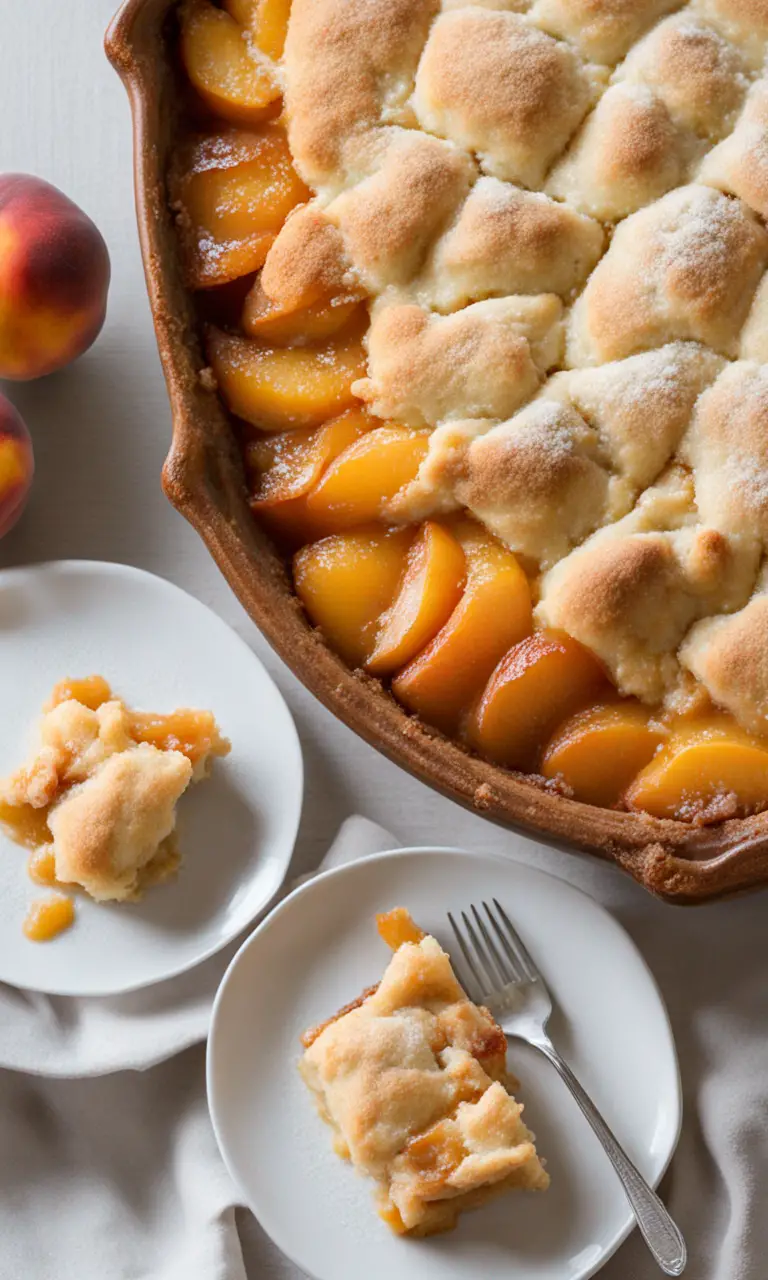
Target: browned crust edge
column 204, row 480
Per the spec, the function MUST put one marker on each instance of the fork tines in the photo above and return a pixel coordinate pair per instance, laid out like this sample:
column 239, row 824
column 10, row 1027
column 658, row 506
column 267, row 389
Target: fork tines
column 493, row 963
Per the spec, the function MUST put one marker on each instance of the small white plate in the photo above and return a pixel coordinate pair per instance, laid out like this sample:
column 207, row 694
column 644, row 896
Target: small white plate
column 160, row 649
column 320, row 949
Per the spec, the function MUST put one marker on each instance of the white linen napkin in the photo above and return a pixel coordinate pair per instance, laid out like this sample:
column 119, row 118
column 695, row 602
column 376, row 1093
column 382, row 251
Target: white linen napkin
column 119, row 1178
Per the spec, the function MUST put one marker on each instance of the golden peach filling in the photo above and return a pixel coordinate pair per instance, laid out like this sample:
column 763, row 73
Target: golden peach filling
column 48, row 917
column 440, row 608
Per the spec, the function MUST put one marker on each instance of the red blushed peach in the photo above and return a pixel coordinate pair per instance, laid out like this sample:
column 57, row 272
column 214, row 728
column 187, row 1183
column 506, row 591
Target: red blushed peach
column 17, row 465
column 54, row 277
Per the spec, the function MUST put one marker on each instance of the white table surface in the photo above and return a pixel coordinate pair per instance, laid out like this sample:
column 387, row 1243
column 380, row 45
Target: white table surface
column 101, row 429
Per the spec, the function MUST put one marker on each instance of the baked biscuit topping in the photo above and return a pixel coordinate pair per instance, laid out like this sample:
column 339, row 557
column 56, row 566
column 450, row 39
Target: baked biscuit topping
column 554, row 213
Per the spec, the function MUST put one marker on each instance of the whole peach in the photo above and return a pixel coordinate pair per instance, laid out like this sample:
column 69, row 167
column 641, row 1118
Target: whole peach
column 54, row 278
column 17, row 465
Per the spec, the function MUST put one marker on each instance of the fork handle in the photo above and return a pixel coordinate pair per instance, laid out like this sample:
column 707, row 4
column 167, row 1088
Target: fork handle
column 659, row 1231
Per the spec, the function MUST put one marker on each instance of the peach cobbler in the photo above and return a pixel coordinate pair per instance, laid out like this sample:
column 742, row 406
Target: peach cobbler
column 96, row 801
column 412, row 1079
column 485, row 288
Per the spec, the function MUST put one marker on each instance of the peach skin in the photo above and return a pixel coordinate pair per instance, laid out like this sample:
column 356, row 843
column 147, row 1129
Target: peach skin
column 17, row 465
column 54, row 278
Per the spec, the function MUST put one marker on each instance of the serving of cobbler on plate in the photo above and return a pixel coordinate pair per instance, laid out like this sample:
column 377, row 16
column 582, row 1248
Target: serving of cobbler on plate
column 96, row 801
column 412, row 1079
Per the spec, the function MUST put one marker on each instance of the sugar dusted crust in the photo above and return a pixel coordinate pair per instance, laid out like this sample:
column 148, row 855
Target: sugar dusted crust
column 597, row 208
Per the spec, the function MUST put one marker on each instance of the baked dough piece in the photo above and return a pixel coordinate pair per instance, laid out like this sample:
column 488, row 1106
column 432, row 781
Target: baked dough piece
column 754, row 335
column 482, row 362
column 412, row 185
column 498, row 87
column 739, row 164
column 602, row 30
column 434, row 491
column 727, row 448
column 577, row 456
column 308, row 261
column 686, row 267
column 639, row 407
column 348, row 67
column 514, row 6
column 632, row 591
column 629, row 152
column 508, row 241
column 745, row 22
column 729, row 656
column 699, row 75
column 412, row 1081
column 107, row 829
column 538, row 482
column 620, row 425
column 74, row 740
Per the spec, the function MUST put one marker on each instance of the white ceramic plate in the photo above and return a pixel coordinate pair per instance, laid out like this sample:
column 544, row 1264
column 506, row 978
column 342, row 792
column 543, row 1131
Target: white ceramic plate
column 160, row 649
column 319, row 949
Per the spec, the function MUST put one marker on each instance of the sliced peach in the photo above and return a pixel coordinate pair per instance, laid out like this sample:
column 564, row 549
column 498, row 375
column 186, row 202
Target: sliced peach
column 232, row 197
column 493, row 613
column 396, row 927
column 430, row 591
column 712, row 769
column 265, row 319
column 92, row 691
column 288, row 464
column 366, row 476
column 599, row 751
column 229, row 75
column 345, row 583
column 543, row 679
column 277, row 388
column 267, row 20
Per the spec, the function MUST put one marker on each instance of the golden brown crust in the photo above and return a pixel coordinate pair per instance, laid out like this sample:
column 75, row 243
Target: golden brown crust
column 505, row 241
column 602, row 30
column 727, row 448
column 699, row 75
column 109, row 827
column 307, row 262
column 745, row 22
column 535, row 91
column 739, row 165
column 686, row 267
column 730, row 657
column 538, row 481
column 632, row 591
column 483, row 361
column 346, row 65
column 629, row 152
column 413, row 185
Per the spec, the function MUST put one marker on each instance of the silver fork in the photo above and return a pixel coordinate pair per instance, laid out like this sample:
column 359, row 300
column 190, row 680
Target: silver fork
column 510, row 985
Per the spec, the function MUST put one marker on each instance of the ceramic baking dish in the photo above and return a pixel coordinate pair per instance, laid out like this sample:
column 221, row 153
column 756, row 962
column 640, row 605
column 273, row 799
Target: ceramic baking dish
column 203, row 478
